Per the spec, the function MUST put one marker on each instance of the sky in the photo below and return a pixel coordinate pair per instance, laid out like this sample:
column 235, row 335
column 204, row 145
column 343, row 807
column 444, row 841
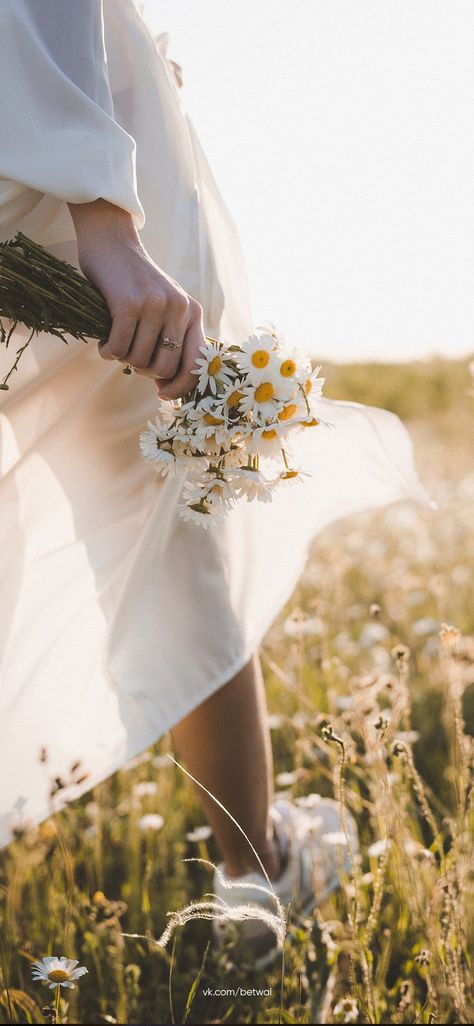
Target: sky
column 341, row 135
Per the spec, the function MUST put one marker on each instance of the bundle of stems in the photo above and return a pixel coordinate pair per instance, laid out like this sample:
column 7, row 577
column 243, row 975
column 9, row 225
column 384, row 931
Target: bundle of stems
column 46, row 294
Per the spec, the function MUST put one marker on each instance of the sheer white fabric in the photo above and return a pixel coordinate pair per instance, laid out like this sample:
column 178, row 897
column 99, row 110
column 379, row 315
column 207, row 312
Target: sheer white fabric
column 116, row 619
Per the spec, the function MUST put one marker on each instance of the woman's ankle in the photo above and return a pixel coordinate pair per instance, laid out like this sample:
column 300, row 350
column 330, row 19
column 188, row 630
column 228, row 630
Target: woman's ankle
column 270, row 855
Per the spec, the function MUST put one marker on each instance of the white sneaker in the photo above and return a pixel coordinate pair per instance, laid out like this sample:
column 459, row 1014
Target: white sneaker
column 315, row 855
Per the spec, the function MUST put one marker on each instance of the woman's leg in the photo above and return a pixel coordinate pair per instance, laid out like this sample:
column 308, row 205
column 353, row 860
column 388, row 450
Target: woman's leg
column 225, row 744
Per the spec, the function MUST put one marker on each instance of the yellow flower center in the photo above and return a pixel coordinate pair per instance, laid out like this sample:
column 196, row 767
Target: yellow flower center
column 214, row 366
column 98, row 898
column 288, row 368
column 308, row 385
column 264, row 392
column 260, row 358
column 287, row 412
column 58, row 975
column 289, row 473
column 311, row 423
column 269, row 434
column 234, row 398
column 209, row 419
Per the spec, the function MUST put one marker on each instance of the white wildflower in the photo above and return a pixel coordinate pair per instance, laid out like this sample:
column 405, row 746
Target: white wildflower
column 151, row 821
column 255, row 355
column 201, row 513
column 253, row 485
column 145, row 788
column 201, row 833
column 379, row 847
column 347, row 1009
column 213, row 368
column 58, row 972
column 225, row 441
column 334, row 838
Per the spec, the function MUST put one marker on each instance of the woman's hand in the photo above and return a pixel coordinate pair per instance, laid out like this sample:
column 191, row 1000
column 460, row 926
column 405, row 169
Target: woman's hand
column 146, row 305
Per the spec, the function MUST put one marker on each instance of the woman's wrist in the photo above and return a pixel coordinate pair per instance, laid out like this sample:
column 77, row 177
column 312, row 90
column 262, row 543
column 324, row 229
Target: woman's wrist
column 100, row 218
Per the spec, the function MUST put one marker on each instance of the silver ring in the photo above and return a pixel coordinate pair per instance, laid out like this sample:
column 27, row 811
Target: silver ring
column 169, row 343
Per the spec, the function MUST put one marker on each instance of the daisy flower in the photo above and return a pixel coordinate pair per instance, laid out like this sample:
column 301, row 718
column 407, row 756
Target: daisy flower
column 213, row 368
column 151, row 821
column 261, row 400
column 255, row 355
column 293, row 475
column 248, row 401
column 253, row 485
column 312, row 384
column 216, row 491
column 293, row 366
column 157, row 452
column 200, row 833
column 266, row 441
column 200, row 513
column 58, row 972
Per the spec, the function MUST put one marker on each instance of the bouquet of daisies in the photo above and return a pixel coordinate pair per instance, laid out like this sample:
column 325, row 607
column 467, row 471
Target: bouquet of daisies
column 230, row 440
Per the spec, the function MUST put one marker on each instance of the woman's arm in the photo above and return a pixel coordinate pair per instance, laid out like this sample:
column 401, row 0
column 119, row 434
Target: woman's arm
column 57, row 129
column 58, row 136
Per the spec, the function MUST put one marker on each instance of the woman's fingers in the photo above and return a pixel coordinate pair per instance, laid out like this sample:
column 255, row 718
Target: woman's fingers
column 120, row 339
column 169, row 350
column 184, row 381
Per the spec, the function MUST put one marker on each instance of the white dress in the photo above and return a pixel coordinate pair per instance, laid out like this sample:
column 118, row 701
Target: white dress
column 116, row 618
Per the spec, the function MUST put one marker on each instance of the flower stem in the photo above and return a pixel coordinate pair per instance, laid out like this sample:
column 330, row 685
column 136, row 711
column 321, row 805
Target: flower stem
column 57, row 1004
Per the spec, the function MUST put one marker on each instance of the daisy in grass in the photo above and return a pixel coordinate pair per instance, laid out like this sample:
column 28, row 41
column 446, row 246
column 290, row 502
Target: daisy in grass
column 58, row 972
column 248, row 402
column 214, row 368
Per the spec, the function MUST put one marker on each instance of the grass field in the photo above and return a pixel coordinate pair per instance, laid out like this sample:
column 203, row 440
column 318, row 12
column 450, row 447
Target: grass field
column 369, row 697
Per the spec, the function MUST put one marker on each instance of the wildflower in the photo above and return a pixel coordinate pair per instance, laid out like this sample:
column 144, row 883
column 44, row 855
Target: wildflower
column 151, row 821
column 201, row 833
column 261, row 400
column 161, row 761
column 287, row 779
column 255, row 355
column 58, row 972
column 450, row 636
column 308, row 801
column 379, row 847
column 249, row 399
column 348, row 1009
column 401, row 653
column 198, row 513
column 253, row 485
column 157, row 451
column 415, row 849
column 145, row 788
column 213, row 368
column 334, row 837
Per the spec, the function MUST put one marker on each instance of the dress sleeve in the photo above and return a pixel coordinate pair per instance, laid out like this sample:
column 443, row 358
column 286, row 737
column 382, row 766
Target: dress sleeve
column 57, row 129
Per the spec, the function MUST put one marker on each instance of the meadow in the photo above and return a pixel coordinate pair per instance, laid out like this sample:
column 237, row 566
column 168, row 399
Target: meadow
column 370, row 677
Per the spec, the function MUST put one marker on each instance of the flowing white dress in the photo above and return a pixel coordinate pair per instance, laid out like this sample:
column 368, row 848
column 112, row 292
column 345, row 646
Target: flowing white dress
column 116, row 618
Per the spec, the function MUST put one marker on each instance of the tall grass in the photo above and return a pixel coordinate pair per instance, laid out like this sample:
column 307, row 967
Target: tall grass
column 372, row 702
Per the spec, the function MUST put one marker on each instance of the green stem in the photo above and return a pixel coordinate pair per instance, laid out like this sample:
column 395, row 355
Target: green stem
column 57, row 1004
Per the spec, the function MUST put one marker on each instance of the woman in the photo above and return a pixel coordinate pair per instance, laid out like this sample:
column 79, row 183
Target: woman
column 118, row 620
